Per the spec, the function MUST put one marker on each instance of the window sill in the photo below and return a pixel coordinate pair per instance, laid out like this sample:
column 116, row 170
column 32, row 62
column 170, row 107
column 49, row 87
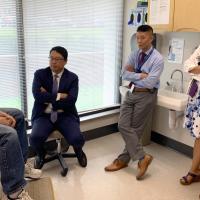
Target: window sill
column 99, row 115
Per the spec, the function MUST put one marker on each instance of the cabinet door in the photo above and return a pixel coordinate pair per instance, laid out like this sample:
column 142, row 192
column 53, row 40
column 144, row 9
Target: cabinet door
column 161, row 13
column 186, row 15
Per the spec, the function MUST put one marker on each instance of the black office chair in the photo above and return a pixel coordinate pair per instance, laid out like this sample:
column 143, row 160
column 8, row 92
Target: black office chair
column 59, row 154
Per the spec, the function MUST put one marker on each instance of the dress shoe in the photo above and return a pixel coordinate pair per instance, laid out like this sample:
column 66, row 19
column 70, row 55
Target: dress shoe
column 39, row 162
column 82, row 159
column 115, row 165
column 143, row 165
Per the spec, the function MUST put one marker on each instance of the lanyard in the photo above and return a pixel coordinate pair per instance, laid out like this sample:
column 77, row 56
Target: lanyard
column 139, row 65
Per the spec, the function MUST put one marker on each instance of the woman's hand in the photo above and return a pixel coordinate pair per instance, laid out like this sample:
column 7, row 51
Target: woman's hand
column 8, row 121
column 195, row 70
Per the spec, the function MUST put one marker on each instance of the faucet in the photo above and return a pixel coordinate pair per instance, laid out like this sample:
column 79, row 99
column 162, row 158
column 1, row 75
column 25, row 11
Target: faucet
column 178, row 70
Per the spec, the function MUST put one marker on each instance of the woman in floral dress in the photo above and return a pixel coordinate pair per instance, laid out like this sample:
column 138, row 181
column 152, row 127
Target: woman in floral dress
column 192, row 116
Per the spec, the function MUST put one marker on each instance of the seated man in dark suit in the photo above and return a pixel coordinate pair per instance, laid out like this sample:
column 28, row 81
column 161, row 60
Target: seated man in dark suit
column 55, row 90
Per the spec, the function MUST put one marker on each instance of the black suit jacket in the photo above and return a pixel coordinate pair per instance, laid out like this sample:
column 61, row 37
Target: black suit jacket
column 68, row 84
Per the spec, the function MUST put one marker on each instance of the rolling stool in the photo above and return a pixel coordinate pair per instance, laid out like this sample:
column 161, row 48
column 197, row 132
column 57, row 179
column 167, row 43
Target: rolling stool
column 59, row 154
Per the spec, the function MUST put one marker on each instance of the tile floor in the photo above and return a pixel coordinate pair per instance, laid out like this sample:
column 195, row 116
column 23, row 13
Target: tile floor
column 93, row 183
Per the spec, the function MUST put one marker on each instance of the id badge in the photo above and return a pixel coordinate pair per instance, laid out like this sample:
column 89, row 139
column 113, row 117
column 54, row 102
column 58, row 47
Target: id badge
column 132, row 88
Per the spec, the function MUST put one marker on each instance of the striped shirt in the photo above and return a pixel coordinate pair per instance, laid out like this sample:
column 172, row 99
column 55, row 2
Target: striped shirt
column 153, row 67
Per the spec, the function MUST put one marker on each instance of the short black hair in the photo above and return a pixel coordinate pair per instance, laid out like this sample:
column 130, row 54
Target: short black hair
column 60, row 50
column 145, row 28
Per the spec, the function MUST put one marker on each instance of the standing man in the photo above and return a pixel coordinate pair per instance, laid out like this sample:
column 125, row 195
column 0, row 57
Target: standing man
column 143, row 70
column 55, row 90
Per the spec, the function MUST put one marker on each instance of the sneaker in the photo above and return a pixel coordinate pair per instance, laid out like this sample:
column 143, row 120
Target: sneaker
column 30, row 172
column 22, row 196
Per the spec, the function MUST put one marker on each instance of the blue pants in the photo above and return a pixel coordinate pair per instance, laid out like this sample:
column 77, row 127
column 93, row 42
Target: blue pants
column 20, row 128
column 68, row 125
column 13, row 152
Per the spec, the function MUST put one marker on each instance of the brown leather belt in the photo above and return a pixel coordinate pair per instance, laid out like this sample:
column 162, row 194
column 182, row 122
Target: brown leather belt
column 141, row 89
column 136, row 89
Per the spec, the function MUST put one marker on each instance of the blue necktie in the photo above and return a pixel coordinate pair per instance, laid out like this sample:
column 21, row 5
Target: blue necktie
column 141, row 61
column 54, row 114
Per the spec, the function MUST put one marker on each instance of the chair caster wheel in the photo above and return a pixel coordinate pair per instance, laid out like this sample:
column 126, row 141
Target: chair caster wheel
column 64, row 172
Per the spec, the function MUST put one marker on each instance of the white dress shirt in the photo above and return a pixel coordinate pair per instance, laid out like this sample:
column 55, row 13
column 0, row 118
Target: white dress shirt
column 49, row 106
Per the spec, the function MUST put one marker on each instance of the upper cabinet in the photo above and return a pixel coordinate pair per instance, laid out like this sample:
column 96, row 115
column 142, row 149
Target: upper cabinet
column 174, row 15
column 186, row 15
column 161, row 14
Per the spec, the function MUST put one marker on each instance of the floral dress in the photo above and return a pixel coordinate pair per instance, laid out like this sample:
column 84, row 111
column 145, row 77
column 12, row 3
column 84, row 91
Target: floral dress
column 192, row 114
column 192, row 111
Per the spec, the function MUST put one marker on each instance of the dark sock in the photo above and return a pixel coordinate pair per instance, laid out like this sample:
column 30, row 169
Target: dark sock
column 141, row 158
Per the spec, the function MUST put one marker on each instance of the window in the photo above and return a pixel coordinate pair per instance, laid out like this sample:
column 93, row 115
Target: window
column 9, row 70
column 91, row 31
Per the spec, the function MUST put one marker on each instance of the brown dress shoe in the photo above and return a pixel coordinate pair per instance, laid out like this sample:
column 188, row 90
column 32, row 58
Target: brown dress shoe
column 116, row 165
column 143, row 165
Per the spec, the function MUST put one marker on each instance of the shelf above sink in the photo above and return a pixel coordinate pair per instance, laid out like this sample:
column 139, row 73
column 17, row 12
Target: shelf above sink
column 172, row 100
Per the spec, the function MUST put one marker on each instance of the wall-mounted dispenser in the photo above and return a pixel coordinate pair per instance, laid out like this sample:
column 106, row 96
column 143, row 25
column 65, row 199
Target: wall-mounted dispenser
column 145, row 15
column 138, row 16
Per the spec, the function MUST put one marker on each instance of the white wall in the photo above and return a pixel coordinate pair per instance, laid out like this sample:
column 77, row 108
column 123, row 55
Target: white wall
column 192, row 40
column 160, row 120
column 127, row 31
column 98, row 121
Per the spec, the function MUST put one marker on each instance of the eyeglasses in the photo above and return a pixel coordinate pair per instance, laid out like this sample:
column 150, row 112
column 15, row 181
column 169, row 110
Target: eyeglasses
column 55, row 59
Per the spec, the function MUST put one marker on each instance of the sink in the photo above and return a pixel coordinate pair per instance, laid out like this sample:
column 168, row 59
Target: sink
column 172, row 100
column 166, row 98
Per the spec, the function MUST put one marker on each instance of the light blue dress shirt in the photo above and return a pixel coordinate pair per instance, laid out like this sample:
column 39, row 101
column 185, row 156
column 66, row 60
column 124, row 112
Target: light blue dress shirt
column 153, row 66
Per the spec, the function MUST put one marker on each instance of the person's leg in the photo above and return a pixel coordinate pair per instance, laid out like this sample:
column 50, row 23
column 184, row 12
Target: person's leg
column 136, row 109
column 125, row 120
column 11, row 161
column 196, row 157
column 133, row 115
column 124, row 156
column 69, row 126
column 194, row 172
column 41, row 129
column 20, row 128
column 192, row 121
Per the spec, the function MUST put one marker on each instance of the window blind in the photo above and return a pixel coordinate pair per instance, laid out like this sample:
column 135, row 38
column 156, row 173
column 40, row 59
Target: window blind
column 10, row 92
column 91, row 31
